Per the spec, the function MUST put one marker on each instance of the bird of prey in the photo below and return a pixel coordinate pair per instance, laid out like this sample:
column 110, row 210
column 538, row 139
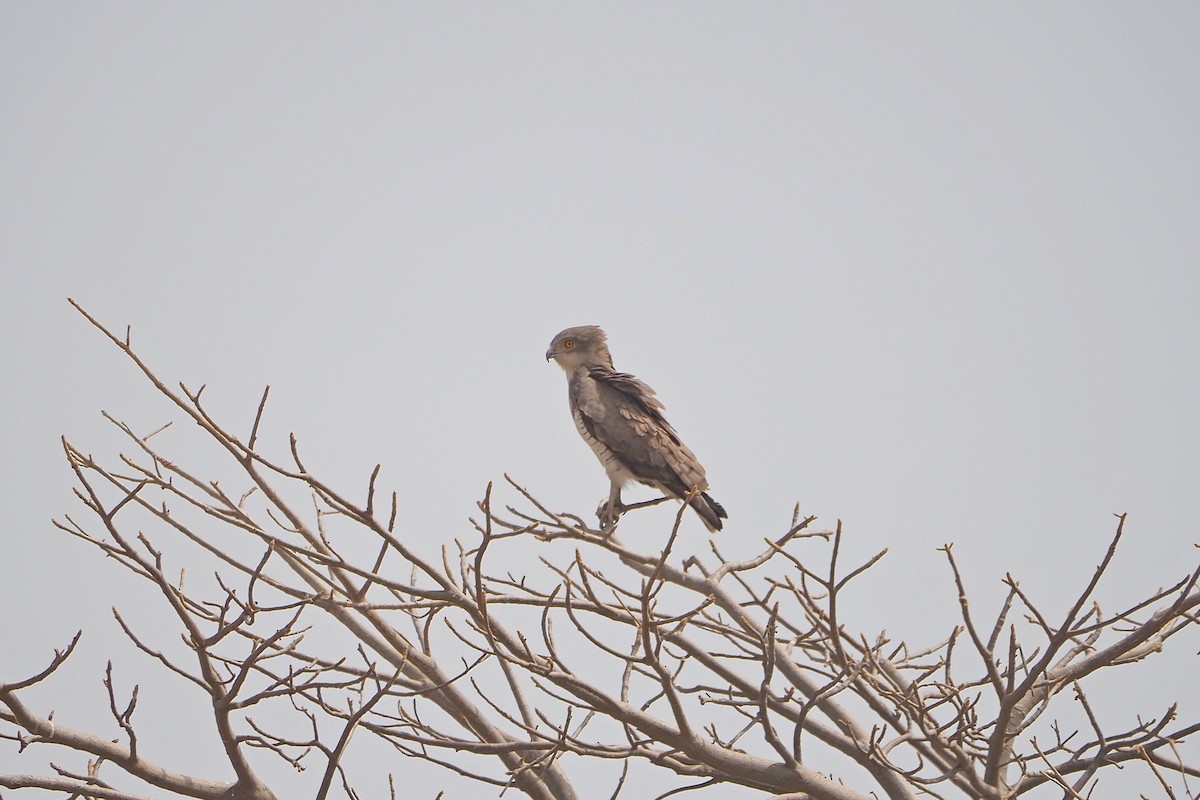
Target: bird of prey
column 621, row 420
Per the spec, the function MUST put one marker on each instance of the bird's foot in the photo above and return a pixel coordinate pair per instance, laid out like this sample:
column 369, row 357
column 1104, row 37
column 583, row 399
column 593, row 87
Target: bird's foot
column 608, row 513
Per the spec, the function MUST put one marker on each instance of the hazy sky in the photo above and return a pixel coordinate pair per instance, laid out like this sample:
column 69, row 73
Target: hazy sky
column 927, row 268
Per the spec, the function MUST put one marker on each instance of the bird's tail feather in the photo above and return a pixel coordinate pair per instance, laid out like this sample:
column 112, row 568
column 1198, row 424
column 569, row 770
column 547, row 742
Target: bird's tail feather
column 709, row 510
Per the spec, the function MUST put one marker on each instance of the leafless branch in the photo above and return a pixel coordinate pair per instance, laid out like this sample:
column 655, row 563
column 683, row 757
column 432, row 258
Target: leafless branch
column 331, row 624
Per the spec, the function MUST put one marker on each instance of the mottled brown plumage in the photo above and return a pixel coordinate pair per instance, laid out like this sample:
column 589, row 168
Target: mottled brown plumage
column 622, row 421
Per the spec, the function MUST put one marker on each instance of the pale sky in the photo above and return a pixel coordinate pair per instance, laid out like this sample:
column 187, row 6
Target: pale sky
column 930, row 269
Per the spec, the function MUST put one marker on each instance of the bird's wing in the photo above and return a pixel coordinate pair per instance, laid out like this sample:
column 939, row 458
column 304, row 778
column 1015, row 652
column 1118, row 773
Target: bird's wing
column 623, row 415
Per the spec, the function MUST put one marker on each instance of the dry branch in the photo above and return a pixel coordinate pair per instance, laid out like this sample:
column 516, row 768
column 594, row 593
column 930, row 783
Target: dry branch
column 724, row 673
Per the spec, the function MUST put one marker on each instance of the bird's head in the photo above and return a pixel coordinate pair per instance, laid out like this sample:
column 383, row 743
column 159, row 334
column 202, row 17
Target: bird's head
column 585, row 346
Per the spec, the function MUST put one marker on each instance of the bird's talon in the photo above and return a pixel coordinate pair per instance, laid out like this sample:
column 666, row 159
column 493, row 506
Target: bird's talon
column 608, row 514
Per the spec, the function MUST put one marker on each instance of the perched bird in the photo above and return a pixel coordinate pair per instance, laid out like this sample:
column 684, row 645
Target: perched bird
column 621, row 420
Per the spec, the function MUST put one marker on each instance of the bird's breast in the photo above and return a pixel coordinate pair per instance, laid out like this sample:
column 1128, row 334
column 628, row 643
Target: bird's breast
column 617, row 472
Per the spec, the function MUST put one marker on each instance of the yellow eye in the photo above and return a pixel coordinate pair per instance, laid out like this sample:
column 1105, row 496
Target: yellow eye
column 568, row 344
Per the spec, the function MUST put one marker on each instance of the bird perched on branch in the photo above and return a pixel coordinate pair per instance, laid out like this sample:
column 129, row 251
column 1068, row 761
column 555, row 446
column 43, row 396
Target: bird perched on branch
column 621, row 420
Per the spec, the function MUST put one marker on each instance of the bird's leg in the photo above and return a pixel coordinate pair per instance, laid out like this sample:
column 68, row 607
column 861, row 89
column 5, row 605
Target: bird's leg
column 610, row 508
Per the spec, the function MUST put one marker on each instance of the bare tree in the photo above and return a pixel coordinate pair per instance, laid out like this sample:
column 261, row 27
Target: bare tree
column 720, row 672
